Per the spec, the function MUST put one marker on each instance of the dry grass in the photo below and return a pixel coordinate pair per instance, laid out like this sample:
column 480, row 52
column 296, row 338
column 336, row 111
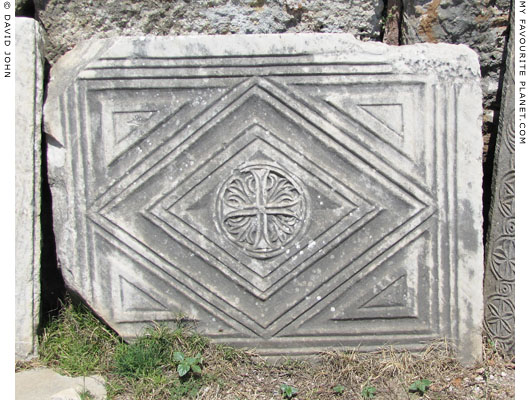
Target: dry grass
column 231, row 374
column 389, row 371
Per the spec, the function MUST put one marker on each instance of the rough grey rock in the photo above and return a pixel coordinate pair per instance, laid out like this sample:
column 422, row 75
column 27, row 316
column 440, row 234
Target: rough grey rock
column 68, row 22
column 28, row 97
column 499, row 280
column 45, row 384
column 481, row 26
column 289, row 193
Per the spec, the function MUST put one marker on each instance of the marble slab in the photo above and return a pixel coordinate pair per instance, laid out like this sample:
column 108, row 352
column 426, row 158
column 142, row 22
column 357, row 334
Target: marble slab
column 288, row 193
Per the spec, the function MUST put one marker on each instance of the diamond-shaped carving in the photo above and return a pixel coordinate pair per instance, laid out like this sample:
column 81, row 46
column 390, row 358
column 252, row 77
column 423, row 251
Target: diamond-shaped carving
column 193, row 206
column 287, row 201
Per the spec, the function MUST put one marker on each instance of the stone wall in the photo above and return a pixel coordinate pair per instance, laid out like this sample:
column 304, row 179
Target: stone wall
column 68, row 22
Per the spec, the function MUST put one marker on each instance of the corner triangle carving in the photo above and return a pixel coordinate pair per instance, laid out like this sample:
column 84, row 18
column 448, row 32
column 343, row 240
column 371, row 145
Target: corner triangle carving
column 392, row 295
column 135, row 299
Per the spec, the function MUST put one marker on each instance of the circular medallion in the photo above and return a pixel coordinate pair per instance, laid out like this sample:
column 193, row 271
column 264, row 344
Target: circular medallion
column 500, row 317
column 261, row 209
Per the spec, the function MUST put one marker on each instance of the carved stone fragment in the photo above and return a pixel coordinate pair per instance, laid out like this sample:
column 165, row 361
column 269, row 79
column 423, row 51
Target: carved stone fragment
column 499, row 279
column 28, row 97
column 289, row 193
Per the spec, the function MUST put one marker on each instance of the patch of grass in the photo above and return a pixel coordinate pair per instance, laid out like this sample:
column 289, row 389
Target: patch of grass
column 144, row 357
column 77, row 343
column 150, row 367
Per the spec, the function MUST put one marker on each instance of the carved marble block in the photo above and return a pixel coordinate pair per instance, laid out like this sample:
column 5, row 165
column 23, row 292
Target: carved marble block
column 289, row 193
column 499, row 279
column 29, row 86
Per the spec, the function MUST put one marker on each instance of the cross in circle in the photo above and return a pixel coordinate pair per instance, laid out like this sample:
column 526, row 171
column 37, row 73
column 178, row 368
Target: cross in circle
column 265, row 208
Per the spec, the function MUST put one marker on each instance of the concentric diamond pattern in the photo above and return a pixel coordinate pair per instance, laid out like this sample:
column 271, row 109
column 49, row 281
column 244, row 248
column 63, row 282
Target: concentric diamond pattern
column 338, row 211
column 287, row 200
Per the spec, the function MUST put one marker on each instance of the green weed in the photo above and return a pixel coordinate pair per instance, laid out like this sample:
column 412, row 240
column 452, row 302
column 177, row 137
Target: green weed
column 189, row 388
column 86, row 395
column 368, row 392
column 288, row 392
column 339, row 389
column 187, row 364
column 420, row 386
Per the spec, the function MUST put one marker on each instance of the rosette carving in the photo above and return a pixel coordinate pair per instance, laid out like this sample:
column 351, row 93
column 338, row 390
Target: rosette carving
column 261, row 209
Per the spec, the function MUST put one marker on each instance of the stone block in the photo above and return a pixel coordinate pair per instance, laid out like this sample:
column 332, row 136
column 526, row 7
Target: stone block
column 499, row 279
column 28, row 97
column 45, row 384
column 289, row 193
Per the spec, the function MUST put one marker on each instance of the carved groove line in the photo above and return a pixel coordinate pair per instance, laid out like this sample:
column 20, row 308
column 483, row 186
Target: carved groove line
column 164, row 269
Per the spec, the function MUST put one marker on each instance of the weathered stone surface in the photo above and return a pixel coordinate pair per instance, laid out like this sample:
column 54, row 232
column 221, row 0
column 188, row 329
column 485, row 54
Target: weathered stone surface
column 45, row 384
column 481, row 26
column 499, row 280
column 290, row 193
column 68, row 22
column 28, row 97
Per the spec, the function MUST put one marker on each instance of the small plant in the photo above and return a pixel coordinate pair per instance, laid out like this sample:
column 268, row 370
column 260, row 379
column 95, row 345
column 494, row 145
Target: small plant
column 288, row 392
column 368, row 392
column 185, row 364
column 420, row 386
column 339, row 389
column 188, row 389
column 86, row 395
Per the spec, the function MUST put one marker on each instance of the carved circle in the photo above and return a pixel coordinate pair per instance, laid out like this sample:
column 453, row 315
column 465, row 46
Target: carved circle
column 504, row 288
column 261, row 209
column 503, row 258
column 500, row 317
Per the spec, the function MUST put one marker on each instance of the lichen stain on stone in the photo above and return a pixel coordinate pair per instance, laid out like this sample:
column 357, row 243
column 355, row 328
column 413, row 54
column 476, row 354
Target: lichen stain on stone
column 494, row 21
column 425, row 29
